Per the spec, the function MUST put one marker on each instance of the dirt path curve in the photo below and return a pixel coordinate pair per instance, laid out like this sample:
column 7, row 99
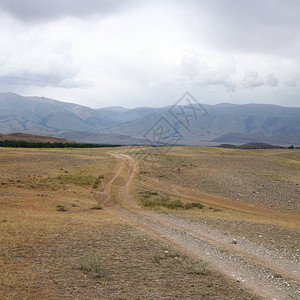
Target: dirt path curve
column 267, row 274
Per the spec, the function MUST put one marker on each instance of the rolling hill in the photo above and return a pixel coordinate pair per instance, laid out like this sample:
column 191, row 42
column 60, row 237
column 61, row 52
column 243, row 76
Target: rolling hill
column 31, row 138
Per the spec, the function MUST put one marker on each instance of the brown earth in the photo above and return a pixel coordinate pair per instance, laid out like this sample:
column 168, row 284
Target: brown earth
column 261, row 189
column 257, row 266
column 31, row 138
column 57, row 244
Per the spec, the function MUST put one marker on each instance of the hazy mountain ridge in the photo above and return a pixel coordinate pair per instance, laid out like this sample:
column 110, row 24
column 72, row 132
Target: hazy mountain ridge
column 222, row 123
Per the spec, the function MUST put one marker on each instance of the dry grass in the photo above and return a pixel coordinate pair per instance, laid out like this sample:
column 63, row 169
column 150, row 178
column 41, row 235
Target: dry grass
column 78, row 252
column 253, row 194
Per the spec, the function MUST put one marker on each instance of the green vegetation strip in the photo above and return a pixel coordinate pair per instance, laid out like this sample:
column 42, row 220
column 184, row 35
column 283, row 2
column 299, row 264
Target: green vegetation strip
column 79, row 178
column 154, row 200
column 24, row 144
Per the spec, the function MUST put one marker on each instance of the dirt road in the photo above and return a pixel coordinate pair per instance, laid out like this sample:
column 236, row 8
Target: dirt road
column 266, row 273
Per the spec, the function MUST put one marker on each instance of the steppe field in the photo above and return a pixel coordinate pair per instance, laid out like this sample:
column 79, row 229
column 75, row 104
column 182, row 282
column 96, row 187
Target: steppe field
column 147, row 223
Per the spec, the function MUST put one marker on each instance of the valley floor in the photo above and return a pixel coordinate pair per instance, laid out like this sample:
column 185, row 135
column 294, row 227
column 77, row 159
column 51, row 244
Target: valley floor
column 56, row 242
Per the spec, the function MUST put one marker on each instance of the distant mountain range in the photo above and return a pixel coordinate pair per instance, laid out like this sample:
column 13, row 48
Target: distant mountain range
column 222, row 123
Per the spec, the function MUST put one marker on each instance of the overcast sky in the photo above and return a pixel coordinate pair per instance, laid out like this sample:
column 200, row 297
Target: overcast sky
column 148, row 53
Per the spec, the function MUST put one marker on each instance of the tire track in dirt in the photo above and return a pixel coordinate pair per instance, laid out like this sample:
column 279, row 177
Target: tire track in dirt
column 253, row 270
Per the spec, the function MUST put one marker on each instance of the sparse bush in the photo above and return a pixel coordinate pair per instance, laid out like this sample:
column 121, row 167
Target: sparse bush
column 153, row 193
column 159, row 256
column 195, row 268
column 96, row 207
column 172, row 204
column 154, row 200
column 172, row 253
column 193, row 204
column 80, row 179
column 150, row 203
column 148, row 194
column 97, row 181
column 201, row 269
column 93, row 263
column 215, row 209
column 163, row 199
column 61, row 208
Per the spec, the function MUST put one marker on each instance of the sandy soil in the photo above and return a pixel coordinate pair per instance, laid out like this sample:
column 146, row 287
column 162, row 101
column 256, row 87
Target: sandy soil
column 57, row 244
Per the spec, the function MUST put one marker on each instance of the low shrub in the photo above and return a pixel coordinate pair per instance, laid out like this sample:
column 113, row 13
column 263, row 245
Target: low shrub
column 150, row 202
column 79, row 178
column 172, row 204
column 93, row 263
column 61, row 208
column 193, row 204
column 97, row 181
column 198, row 268
column 96, row 207
column 215, row 209
column 155, row 200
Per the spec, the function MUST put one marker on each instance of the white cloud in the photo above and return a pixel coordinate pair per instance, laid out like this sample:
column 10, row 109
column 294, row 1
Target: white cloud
column 272, row 80
column 293, row 80
column 146, row 53
column 252, row 80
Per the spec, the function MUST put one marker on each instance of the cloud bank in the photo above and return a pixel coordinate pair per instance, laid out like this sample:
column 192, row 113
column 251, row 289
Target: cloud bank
column 148, row 53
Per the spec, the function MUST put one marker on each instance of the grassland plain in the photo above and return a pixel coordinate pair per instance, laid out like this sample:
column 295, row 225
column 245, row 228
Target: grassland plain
column 55, row 246
column 251, row 194
column 269, row 272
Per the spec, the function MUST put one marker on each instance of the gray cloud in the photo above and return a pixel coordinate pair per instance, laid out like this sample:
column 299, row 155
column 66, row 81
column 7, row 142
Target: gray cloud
column 44, row 71
column 40, row 80
column 215, row 78
column 43, row 10
column 151, row 47
column 258, row 26
column 272, row 80
column 194, row 70
column 252, row 80
column 293, row 80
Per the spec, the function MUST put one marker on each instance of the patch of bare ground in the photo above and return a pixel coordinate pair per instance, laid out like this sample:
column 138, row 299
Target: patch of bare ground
column 56, row 245
column 241, row 175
